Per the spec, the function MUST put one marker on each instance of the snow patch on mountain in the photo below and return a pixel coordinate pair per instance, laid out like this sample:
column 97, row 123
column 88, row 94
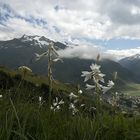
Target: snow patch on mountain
column 131, row 58
column 36, row 40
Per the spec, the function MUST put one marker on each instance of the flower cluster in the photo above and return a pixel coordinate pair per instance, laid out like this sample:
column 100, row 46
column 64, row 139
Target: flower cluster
column 97, row 77
column 73, row 108
column 24, row 70
column 56, row 104
column 52, row 52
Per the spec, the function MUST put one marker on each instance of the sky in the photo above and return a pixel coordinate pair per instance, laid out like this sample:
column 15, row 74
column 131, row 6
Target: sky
column 109, row 26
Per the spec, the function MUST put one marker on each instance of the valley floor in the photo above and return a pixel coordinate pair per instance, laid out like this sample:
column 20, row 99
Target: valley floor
column 132, row 89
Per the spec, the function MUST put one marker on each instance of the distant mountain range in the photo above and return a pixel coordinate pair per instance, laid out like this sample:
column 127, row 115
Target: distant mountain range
column 132, row 63
column 21, row 51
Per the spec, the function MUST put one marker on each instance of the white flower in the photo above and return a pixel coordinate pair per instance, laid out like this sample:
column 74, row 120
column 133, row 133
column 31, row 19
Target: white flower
column 1, row 96
column 39, row 56
column 53, row 54
column 73, row 108
column 87, row 75
column 98, row 77
column 116, row 93
column 82, row 105
column 109, row 86
column 95, row 74
column 89, row 87
column 80, row 91
column 57, row 59
column 40, row 98
column 58, row 107
column 95, row 67
column 61, row 102
column 75, row 101
column 56, row 104
column 94, row 108
column 71, row 95
column 105, row 89
column 110, row 83
column 24, row 69
column 51, row 107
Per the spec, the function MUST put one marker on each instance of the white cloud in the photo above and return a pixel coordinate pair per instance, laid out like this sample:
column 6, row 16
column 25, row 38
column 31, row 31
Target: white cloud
column 93, row 18
column 84, row 52
column 123, row 52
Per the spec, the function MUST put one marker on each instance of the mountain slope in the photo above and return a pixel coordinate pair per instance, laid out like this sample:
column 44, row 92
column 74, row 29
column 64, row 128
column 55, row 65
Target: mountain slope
column 132, row 63
column 70, row 70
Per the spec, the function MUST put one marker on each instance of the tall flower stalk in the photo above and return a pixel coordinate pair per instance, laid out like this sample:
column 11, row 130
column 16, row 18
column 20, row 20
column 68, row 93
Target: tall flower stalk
column 97, row 78
column 53, row 56
column 49, row 72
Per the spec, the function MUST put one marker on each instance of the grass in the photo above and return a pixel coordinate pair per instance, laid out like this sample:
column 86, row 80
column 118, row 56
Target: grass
column 22, row 118
column 38, row 123
column 132, row 89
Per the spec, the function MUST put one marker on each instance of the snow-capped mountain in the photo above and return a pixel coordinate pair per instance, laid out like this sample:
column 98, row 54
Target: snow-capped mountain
column 21, row 51
column 30, row 41
column 132, row 63
column 41, row 41
column 131, row 58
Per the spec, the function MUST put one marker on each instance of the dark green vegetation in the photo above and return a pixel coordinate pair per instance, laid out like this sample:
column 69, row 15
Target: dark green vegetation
column 22, row 118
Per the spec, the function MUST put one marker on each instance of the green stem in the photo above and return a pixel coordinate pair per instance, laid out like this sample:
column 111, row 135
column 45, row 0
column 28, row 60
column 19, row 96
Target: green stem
column 49, row 73
column 15, row 113
column 97, row 100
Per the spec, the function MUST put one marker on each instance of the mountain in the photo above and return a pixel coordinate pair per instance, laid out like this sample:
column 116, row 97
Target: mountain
column 132, row 63
column 20, row 51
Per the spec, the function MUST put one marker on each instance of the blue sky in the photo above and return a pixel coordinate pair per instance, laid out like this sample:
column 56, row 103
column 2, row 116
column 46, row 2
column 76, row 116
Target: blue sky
column 112, row 26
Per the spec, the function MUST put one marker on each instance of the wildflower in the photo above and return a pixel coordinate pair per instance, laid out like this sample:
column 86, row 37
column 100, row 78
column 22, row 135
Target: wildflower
column 57, row 59
column 39, row 56
column 87, row 75
column 56, row 104
column 40, row 99
column 71, row 96
column 89, row 87
column 109, row 86
column 98, row 78
column 1, row 96
column 75, row 101
column 52, row 52
column 73, row 108
column 82, row 105
column 80, row 91
column 95, row 74
column 53, row 56
column 61, row 102
column 95, row 67
column 110, row 83
column 24, row 69
column 94, row 108
column 116, row 93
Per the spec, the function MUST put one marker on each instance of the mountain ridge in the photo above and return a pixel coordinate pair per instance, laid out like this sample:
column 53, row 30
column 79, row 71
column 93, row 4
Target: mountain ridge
column 132, row 63
column 20, row 52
